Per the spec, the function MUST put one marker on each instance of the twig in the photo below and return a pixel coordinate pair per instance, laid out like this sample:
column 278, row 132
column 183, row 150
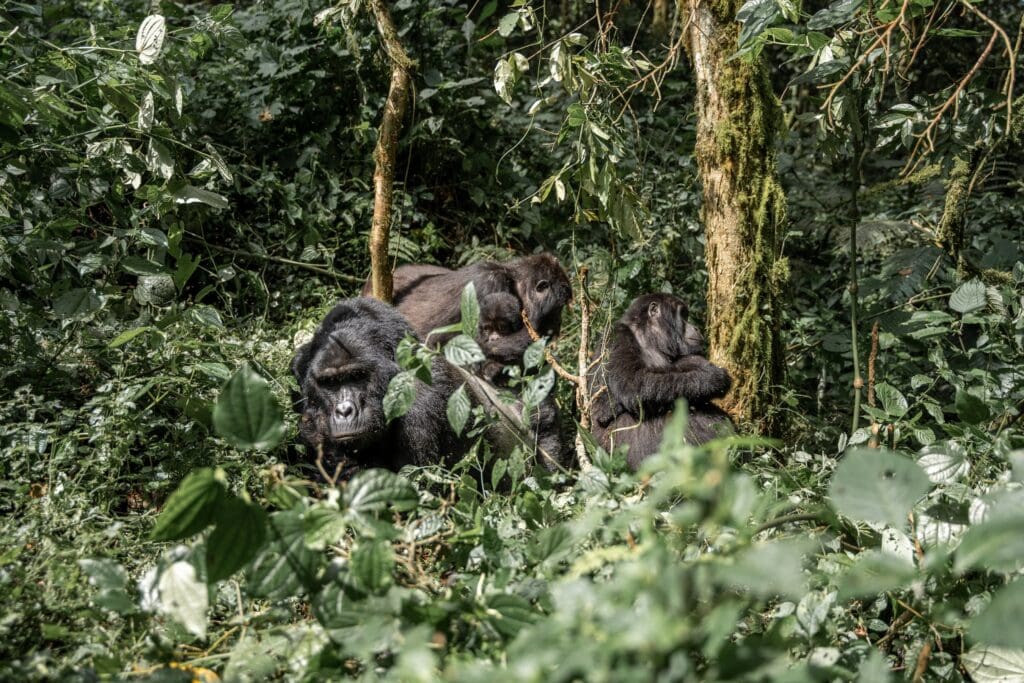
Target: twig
column 872, row 357
column 344, row 277
column 922, row 662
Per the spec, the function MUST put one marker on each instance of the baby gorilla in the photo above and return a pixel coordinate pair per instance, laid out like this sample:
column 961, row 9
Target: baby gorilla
column 429, row 297
column 653, row 360
column 343, row 374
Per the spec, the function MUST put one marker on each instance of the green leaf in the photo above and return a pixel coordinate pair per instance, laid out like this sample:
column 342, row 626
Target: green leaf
column 76, row 304
column 183, row 597
column 239, row 534
column 136, row 265
column 191, row 507
column 110, row 579
column 247, row 414
column 458, row 409
column 970, row 296
column 284, row 566
column 190, row 194
column 944, row 462
column 462, row 350
column 537, row 389
column 470, row 310
column 747, row 569
column 836, row 13
column 894, row 402
column 877, row 486
column 400, row 395
column 970, row 408
column 507, row 24
column 127, row 336
column 996, row 544
column 371, row 563
column 159, row 160
column 1000, row 622
column 323, row 526
column 372, row 491
column 756, row 16
column 509, row 614
column 875, row 572
column 534, row 354
column 988, row 664
column 150, row 38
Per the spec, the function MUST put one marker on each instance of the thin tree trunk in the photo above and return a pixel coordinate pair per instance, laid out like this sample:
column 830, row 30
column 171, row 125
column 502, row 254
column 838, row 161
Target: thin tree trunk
column 659, row 18
column 744, row 209
column 384, row 153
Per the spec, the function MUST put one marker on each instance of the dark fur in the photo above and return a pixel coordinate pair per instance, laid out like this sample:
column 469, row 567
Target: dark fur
column 343, row 375
column 352, row 357
column 655, row 358
column 429, row 297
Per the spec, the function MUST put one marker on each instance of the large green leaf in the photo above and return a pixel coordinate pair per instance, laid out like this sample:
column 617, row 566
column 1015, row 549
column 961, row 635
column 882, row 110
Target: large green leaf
column 970, row 296
column 509, row 613
column 458, row 409
column 996, row 544
column 192, row 506
column 747, row 569
column 1000, row 623
column 183, row 597
column 988, row 664
column 462, row 350
column 877, row 486
column 76, row 303
column 371, row 563
column 836, row 13
column 970, row 408
column 239, row 534
column 285, row 566
column 875, row 572
column 372, row 491
column 400, row 395
column 247, row 414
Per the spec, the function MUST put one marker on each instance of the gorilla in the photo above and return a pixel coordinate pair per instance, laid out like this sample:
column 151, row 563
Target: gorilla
column 429, row 297
column 655, row 357
column 343, row 375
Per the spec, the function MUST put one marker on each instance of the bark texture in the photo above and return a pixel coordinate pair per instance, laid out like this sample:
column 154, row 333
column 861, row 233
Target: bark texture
column 659, row 17
column 385, row 151
column 744, row 209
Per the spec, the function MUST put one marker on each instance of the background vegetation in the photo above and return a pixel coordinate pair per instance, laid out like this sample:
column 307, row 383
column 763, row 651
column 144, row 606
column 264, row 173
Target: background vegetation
column 175, row 215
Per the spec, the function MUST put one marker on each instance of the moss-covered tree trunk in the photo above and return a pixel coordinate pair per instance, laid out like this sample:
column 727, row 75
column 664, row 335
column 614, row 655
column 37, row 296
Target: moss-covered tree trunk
column 744, row 208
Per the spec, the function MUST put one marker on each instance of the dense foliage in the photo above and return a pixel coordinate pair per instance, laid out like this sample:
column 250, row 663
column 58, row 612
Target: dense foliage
column 183, row 195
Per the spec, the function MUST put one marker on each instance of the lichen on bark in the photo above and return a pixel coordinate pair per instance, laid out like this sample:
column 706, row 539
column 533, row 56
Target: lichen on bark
column 739, row 118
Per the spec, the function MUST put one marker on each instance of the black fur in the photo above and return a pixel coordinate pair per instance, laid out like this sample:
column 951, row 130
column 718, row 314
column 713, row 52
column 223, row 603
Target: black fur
column 655, row 358
column 347, row 367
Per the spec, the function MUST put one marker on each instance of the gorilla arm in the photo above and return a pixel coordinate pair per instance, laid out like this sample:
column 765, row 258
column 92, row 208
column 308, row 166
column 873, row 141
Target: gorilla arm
column 637, row 387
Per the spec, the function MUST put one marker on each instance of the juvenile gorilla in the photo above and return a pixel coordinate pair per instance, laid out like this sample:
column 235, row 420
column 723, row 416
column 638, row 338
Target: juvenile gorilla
column 343, row 374
column 654, row 359
column 429, row 297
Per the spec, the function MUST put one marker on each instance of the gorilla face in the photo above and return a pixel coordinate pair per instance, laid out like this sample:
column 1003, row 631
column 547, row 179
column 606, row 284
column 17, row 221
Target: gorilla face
column 544, row 289
column 659, row 322
column 342, row 395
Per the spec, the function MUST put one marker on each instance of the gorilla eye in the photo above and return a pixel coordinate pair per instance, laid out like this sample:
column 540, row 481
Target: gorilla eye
column 543, row 285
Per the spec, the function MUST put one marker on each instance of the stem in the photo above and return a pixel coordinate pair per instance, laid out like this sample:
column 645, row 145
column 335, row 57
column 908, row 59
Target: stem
column 384, row 153
column 856, row 172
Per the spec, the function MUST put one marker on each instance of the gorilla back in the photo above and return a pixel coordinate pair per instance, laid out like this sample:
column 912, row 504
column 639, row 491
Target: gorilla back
column 343, row 374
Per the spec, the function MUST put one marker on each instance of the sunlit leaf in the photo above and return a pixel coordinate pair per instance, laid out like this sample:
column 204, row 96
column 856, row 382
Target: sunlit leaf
column 150, row 38
column 247, row 413
column 877, row 486
column 191, row 507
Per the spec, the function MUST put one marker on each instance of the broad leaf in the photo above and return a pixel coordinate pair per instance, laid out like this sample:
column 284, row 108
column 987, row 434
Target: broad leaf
column 877, row 486
column 462, row 350
column 196, row 195
column 284, row 566
column 875, row 572
column 747, row 569
column 191, row 507
column 970, row 408
column 1000, row 622
column 988, row 664
column 996, row 544
column 375, row 490
column 836, row 13
column 371, row 563
column 970, row 296
column 183, row 597
column 400, row 395
column 247, row 414
column 944, row 462
column 239, row 534
column 458, row 409
column 76, row 303
column 150, row 38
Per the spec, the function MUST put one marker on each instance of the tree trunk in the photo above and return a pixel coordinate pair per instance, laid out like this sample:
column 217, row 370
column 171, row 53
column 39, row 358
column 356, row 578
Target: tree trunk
column 384, row 153
column 744, row 209
column 659, row 18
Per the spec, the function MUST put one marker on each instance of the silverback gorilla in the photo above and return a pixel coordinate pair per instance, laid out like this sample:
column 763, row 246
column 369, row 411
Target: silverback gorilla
column 654, row 359
column 429, row 296
column 343, row 375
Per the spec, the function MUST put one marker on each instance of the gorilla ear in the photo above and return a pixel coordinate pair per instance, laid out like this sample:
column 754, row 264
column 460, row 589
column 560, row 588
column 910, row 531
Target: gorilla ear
column 653, row 309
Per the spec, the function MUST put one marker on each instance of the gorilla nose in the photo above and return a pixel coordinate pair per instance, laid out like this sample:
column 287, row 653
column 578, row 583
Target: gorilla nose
column 345, row 410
